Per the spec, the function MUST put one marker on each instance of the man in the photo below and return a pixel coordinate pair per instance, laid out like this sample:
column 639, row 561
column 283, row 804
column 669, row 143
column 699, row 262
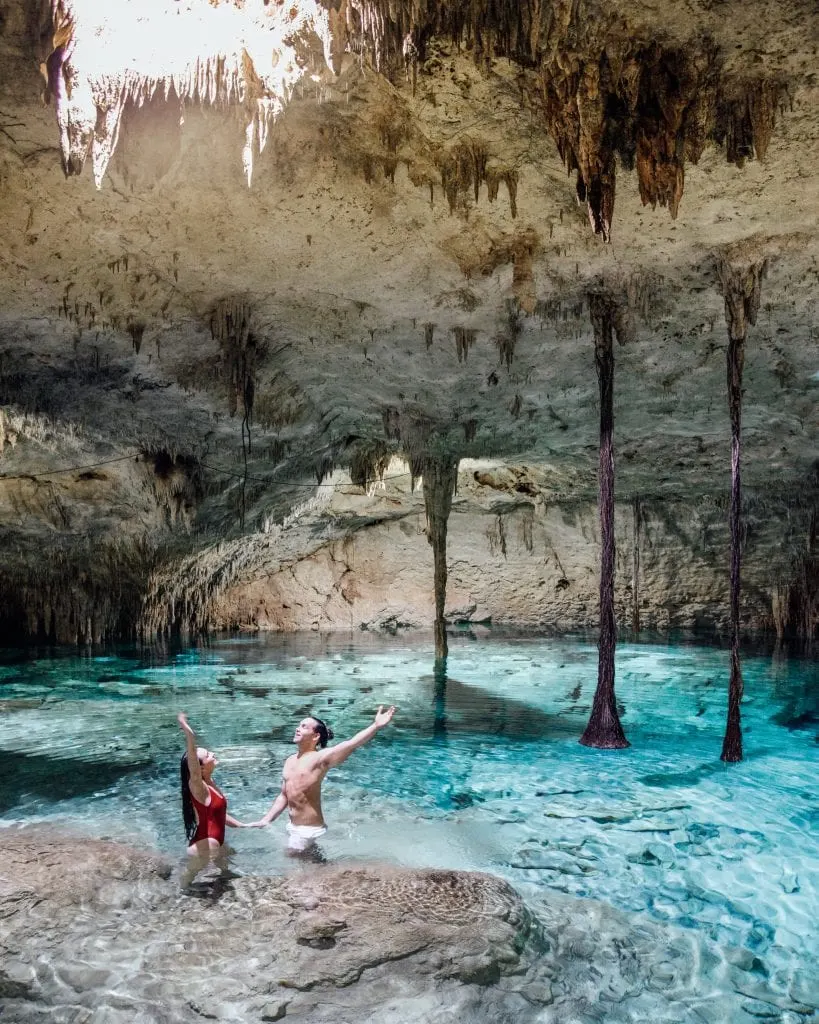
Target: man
column 304, row 773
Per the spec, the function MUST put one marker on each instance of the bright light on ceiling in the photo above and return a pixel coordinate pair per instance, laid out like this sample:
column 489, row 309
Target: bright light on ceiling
column 108, row 53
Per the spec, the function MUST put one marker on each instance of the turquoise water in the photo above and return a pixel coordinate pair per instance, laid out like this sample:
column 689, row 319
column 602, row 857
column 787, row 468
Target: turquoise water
column 483, row 771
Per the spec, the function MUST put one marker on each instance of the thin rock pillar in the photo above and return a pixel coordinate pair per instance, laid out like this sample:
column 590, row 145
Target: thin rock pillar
column 741, row 290
column 604, row 729
column 440, row 477
column 635, row 566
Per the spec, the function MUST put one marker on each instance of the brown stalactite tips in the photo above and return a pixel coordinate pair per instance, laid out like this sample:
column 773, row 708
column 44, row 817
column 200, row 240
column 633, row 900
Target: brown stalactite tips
column 741, row 283
column 464, row 340
column 604, row 94
column 369, row 462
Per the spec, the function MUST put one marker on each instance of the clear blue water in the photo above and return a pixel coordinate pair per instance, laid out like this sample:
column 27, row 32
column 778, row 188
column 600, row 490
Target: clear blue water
column 484, row 772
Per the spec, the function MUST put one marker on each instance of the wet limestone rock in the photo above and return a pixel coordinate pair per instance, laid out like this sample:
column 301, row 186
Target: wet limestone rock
column 84, row 919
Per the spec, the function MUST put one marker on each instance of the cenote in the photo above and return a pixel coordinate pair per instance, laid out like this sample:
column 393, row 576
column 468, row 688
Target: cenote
column 453, row 356
column 687, row 888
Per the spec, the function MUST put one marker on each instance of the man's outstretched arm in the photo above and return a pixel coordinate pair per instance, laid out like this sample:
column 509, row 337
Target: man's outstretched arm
column 341, row 751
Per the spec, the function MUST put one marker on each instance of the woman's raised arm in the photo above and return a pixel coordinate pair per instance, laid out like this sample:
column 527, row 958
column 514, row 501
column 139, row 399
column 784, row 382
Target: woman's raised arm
column 197, row 784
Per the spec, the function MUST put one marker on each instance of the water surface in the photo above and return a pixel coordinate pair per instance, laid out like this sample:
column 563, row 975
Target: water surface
column 481, row 770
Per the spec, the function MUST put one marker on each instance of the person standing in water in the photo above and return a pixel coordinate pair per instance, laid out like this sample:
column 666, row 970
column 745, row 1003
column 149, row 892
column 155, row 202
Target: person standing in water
column 204, row 805
column 304, row 773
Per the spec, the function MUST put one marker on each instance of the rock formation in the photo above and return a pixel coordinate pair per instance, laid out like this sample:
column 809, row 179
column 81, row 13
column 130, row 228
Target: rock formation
column 93, row 928
column 741, row 287
column 206, row 372
column 608, row 318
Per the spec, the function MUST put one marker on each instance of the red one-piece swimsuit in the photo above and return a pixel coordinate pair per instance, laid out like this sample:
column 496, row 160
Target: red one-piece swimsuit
column 210, row 817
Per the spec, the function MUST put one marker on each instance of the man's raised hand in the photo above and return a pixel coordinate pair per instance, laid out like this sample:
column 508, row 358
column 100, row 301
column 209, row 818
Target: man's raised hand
column 383, row 717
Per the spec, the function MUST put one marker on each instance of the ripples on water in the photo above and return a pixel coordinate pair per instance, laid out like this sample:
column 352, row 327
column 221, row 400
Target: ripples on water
column 482, row 771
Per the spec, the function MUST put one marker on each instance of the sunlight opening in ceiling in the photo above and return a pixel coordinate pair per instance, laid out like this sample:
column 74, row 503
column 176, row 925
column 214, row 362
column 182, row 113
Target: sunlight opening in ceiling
column 241, row 52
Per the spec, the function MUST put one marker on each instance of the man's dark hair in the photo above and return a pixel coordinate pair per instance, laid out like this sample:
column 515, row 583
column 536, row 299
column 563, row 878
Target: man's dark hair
column 324, row 733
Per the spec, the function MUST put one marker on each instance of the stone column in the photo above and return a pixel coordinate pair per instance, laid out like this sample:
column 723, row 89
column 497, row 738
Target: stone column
column 440, row 476
column 741, row 290
column 604, row 729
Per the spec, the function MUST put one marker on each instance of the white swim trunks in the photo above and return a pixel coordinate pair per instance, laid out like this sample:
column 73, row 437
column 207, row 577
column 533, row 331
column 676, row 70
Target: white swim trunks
column 301, row 837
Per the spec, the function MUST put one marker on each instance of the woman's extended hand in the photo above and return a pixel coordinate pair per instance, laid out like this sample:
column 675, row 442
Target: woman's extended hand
column 183, row 724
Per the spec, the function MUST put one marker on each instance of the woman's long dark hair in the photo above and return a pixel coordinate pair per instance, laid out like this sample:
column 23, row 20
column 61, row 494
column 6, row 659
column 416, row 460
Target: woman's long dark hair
column 188, row 813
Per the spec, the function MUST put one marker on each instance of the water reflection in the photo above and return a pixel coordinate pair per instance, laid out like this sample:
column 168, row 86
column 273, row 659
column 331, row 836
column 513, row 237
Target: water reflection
column 458, row 707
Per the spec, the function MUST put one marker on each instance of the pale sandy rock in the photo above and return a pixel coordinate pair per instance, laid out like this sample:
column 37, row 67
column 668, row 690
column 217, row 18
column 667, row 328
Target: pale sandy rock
column 373, row 943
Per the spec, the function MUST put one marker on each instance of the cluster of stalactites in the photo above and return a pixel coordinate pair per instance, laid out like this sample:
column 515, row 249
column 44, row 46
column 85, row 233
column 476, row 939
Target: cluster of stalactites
column 741, row 285
column 104, row 56
column 87, row 595
column 389, row 28
column 630, row 100
column 654, row 109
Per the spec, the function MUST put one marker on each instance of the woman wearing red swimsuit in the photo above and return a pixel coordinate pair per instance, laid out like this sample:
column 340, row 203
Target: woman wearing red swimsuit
column 204, row 805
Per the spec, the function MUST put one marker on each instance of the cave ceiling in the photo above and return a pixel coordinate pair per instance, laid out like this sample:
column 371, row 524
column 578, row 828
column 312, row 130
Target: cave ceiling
column 411, row 260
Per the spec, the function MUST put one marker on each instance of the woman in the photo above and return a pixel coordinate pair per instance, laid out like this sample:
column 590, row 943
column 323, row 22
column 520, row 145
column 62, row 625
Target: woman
column 204, row 805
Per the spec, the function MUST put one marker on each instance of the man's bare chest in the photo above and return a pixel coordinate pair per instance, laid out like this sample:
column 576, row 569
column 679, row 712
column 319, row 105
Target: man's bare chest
column 301, row 776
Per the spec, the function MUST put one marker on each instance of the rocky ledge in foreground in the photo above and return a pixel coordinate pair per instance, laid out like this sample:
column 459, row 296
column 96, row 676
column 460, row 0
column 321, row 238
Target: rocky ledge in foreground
column 95, row 931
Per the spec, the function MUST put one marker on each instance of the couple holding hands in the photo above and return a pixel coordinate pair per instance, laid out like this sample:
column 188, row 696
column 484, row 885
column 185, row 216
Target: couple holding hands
column 204, row 805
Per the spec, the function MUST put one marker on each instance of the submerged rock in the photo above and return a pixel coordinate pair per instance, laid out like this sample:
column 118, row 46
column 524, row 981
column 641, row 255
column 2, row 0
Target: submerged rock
column 93, row 930
column 106, row 918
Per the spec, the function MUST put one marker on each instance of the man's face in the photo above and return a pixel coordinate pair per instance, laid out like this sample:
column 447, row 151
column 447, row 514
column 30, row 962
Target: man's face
column 306, row 730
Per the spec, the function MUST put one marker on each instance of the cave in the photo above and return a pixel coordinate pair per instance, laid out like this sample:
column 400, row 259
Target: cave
column 307, row 350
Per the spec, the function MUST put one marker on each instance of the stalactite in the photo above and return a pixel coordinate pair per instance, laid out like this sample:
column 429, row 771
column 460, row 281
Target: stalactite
column 369, row 462
column 629, row 98
column 604, row 729
column 391, row 420
column 440, row 478
column 324, row 467
column 637, row 518
column 177, row 484
column 241, row 353
column 507, row 341
column 136, row 331
column 463, row 169
column 252, row 56
column 741, row 289
column 464, row 340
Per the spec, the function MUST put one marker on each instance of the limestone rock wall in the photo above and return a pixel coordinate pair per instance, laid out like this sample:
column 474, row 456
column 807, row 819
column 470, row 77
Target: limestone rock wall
column 528, row 566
